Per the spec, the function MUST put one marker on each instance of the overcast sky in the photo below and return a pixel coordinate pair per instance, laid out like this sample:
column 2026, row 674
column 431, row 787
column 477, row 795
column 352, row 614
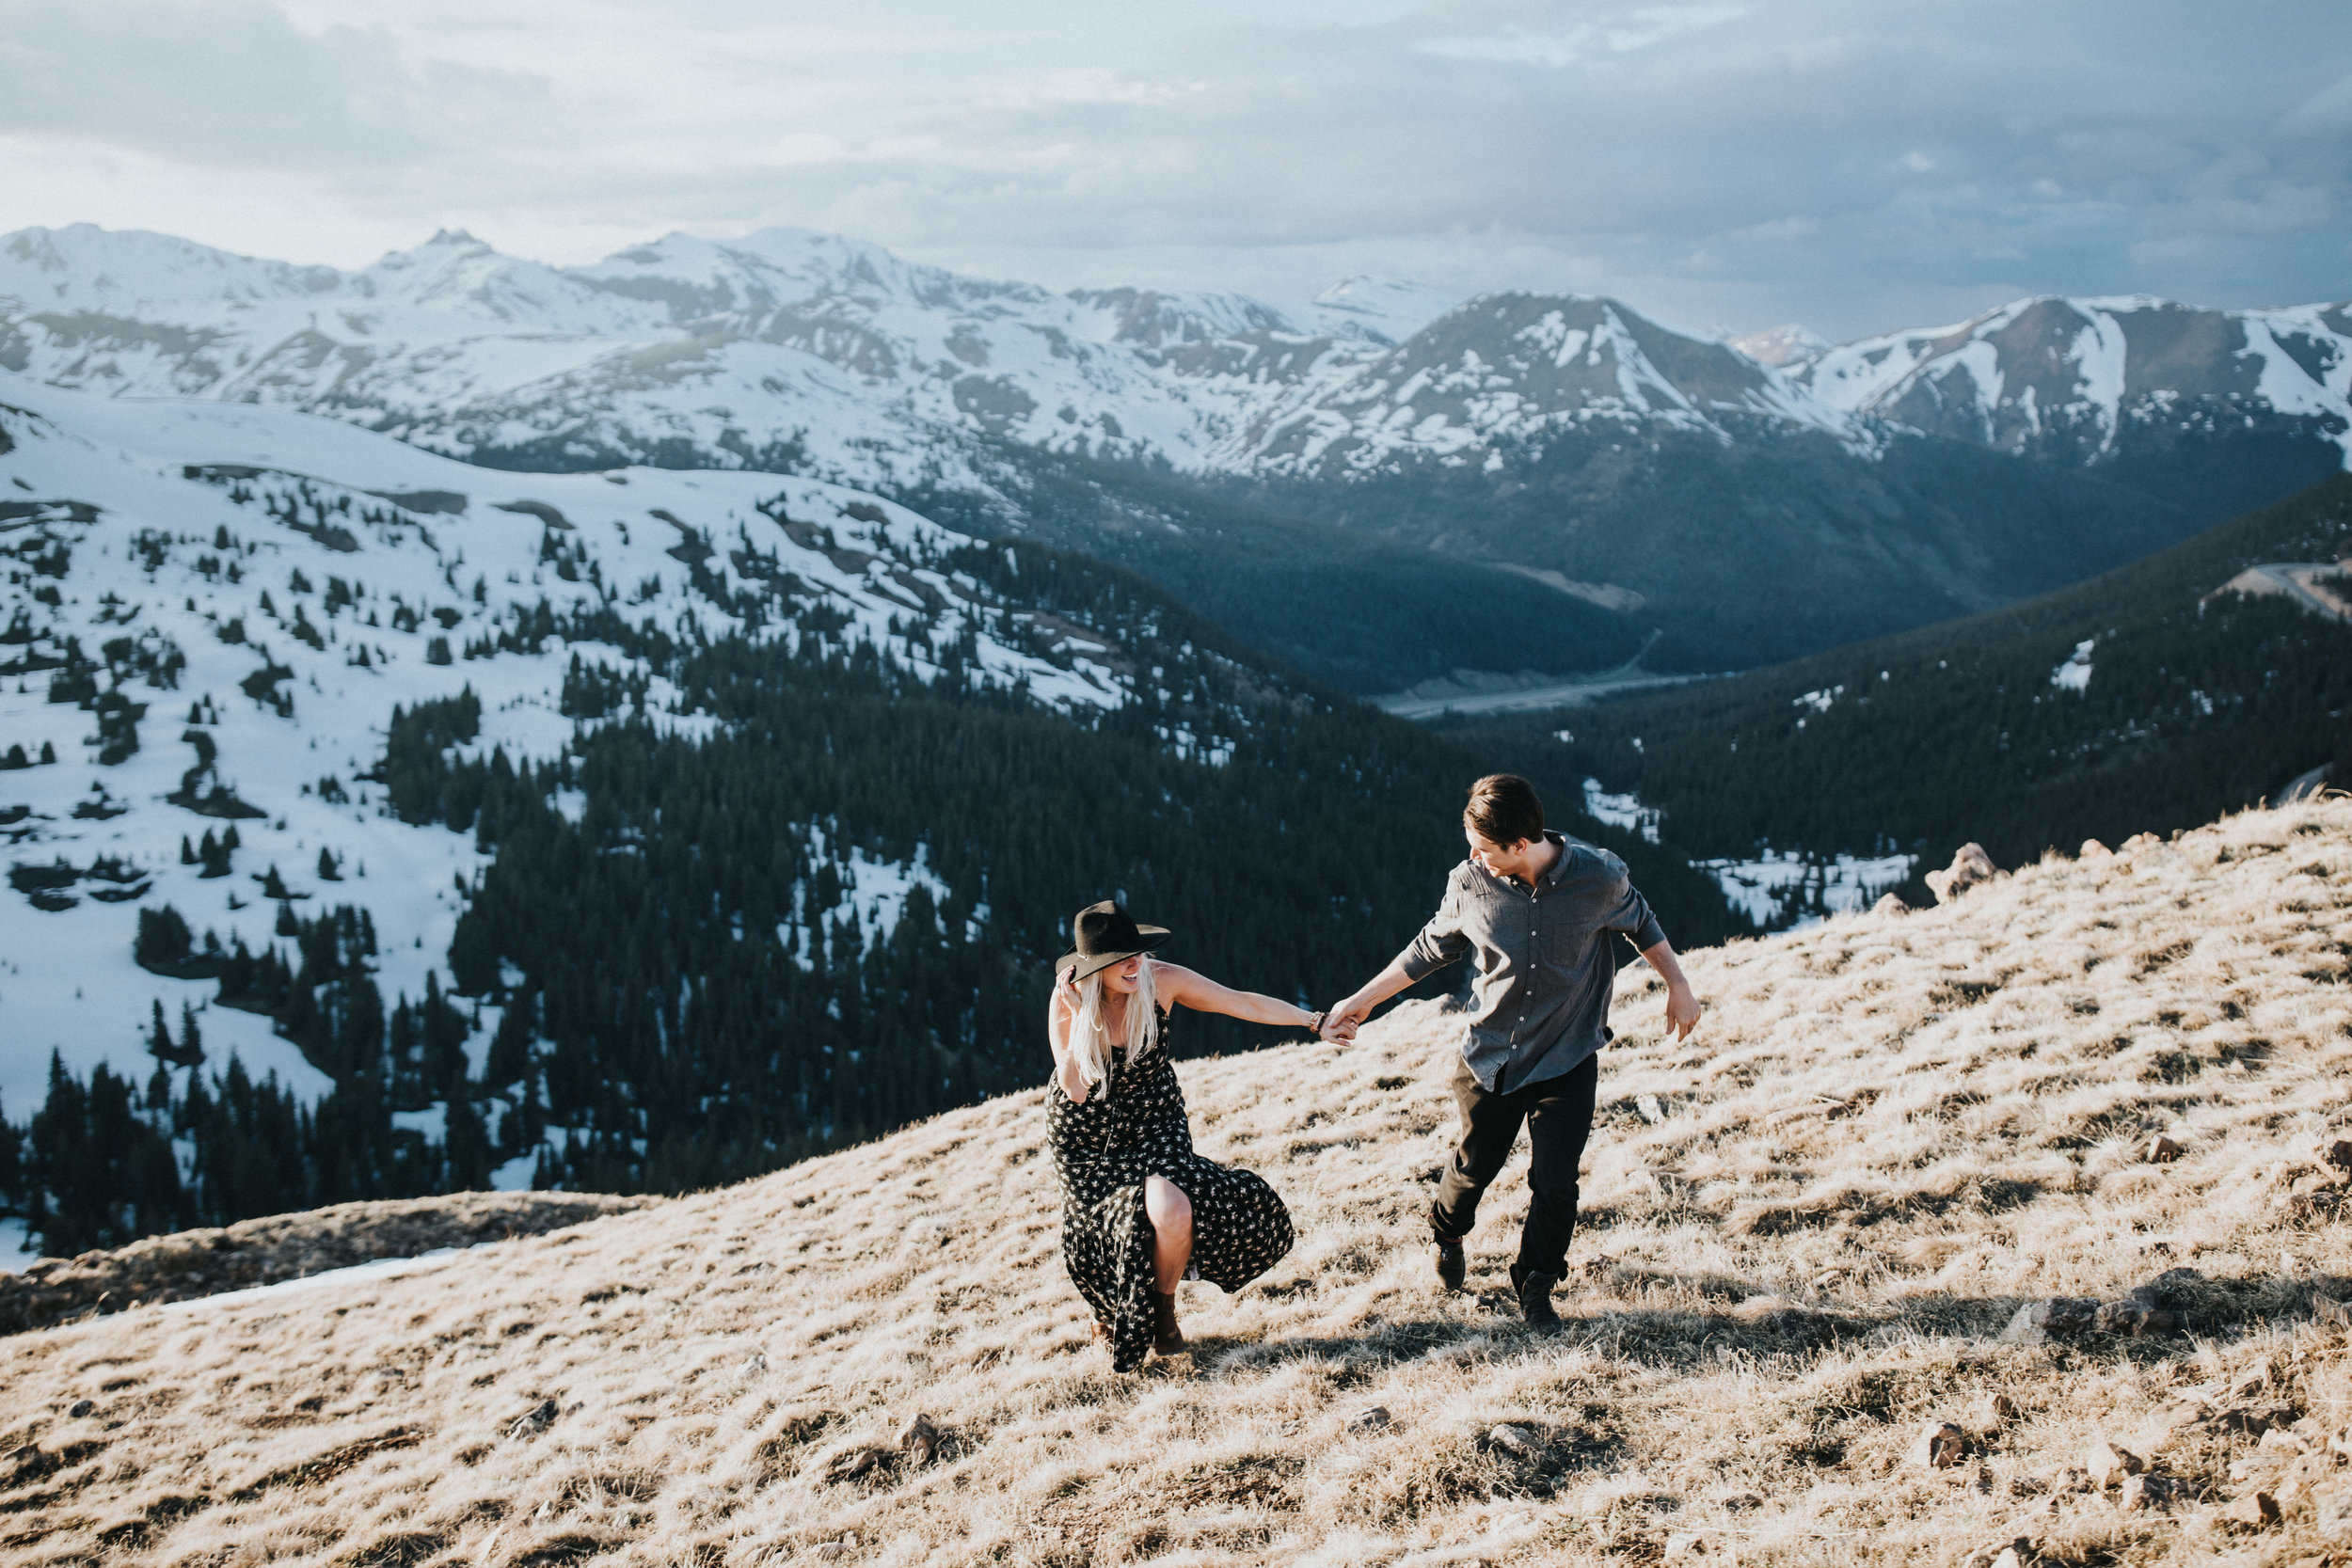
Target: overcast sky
column 1852, row 164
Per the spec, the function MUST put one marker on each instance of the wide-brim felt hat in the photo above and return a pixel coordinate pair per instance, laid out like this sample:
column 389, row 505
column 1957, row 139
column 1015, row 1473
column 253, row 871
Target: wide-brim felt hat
column 1105, row 935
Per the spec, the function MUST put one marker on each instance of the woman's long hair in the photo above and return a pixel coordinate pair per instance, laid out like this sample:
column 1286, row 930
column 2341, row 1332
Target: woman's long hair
column 1088, row 1042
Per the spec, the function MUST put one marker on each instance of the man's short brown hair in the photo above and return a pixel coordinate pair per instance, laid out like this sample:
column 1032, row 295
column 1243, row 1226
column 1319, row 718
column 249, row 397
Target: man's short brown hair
column 1503, row 809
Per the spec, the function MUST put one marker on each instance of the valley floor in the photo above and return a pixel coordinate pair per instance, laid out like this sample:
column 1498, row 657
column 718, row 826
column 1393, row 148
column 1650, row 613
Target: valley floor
column 1807, row 1230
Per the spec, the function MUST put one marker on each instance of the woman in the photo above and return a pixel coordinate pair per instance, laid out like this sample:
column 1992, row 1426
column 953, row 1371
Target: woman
column 1141, row 1210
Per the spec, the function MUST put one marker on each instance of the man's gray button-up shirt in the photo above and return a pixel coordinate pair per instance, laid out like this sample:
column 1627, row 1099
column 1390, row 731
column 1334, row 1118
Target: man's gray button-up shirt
column 1540, row 1002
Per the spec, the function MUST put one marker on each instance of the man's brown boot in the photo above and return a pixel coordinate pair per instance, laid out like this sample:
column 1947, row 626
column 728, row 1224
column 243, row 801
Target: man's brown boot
column 1166, row 1339
column 1534, row 1292
column 1452, row 1268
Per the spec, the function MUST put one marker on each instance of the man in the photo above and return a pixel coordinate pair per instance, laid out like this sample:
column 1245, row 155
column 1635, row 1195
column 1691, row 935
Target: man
column 1535, row 910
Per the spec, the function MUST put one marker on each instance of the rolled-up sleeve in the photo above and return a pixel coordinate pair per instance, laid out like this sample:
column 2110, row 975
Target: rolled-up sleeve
column 1630, row 913
column 1441, row 940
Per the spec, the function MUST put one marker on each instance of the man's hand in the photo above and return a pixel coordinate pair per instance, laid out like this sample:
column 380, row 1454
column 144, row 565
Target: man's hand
column 1682, row 1010
column 1682, row 1004
column 1347, row 1016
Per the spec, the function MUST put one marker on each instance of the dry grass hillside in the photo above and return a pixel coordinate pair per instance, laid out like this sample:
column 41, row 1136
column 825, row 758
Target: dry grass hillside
column 1809, row 1227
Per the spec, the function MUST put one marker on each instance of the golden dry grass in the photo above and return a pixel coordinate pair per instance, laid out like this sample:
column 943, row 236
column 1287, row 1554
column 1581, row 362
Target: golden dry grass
column 1890, row 1132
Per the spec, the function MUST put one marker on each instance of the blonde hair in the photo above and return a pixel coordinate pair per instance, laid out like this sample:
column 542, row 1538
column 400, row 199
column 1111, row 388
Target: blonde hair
column 1089, row 1045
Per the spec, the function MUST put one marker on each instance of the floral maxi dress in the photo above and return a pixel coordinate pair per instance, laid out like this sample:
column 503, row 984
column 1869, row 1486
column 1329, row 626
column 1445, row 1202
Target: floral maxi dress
column 1133, row 1125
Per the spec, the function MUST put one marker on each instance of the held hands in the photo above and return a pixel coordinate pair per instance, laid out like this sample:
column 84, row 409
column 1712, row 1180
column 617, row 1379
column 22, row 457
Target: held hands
column 1340, row 1022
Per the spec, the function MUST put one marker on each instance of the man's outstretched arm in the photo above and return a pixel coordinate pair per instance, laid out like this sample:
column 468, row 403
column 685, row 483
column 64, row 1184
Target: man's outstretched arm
column 1354, row 1010
column 1682, row 1004
column 1438, row 944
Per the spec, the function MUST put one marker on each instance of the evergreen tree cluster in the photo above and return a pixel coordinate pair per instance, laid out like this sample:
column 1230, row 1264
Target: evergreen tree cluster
column 827, row 907
column 106, row 1160
column 684, row 984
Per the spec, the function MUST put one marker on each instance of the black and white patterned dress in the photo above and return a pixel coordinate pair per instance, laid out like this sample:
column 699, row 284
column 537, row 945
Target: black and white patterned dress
column 1133, row 1125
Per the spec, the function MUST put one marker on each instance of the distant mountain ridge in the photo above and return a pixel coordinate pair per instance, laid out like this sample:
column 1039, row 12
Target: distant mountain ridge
column 2066, row 378
column 457, row 346
column 1760, row 499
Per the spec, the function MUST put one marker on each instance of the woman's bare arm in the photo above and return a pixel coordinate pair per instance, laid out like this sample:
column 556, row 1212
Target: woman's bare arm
column 1058, row 1015
column 1176, row 983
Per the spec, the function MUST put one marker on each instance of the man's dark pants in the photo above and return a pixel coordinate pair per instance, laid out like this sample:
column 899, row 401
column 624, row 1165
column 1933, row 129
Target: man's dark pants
column 1558, row 1113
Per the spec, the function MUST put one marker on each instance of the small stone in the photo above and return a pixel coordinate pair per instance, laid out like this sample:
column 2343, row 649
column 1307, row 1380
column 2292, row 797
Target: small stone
column 2136, row 1315
column 1651, row 1111
column 1995, row 1411
column 2141, row 1493
column 1370, row 1420
column 1970, row 866
column 1889, row 904
column 2255, row 1420
column 2255, row 1510
column 81, row 1408
column 2169, row 1420
column 920, row 1439
column 2106, row 1465
column 2161, row 1150
column 1523, row 1442
column 2037, row 1322
column 2092, row 850
column 1683, row 1545
column 2018, row 1553
column 1939, row 1446
column 533, row 1420
column 2334, row 1153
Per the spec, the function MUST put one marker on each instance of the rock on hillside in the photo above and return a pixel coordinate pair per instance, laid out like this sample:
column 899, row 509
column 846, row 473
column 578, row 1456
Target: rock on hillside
column 1808, row 1228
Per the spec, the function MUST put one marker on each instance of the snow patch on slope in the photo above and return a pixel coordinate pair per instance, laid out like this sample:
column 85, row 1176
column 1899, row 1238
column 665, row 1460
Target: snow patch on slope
column 291, row 580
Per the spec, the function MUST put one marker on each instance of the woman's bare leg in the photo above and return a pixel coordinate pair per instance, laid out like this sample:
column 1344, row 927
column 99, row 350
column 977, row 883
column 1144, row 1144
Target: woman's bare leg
column 1170, row 1214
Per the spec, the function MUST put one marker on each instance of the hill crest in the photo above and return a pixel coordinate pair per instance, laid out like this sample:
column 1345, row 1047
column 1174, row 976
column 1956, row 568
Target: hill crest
column 1806, row 1228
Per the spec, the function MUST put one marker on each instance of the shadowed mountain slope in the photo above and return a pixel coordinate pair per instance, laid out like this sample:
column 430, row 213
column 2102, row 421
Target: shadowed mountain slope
column 2152, row 698
column 1807, row 1228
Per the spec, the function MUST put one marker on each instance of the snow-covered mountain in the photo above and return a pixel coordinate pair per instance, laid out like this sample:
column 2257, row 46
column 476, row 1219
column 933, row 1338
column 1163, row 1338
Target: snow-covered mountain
column 1539, row 437
column 2070, row 378
column 784, row 347
column 1511, row 368
column 212, row 611
column 792, row 349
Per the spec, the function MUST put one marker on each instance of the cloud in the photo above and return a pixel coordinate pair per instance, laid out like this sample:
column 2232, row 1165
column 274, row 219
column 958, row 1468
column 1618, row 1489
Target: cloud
column 1845, row 162
column 231, row 84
